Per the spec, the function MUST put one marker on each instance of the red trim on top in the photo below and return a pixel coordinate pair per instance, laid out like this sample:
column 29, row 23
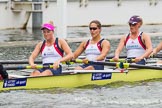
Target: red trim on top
column 42, row 47
column 141, row 43
column 87, row 44
column 99, row 46
column 126, row 40
column 56, row 48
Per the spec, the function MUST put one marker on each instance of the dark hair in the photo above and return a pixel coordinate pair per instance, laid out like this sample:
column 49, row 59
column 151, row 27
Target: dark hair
column 96, row 22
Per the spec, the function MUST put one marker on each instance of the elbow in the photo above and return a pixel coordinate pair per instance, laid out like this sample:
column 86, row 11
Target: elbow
column 103, row 57
column 74, row 56
column 151, row 50
column 71, row 56
column 30, row 58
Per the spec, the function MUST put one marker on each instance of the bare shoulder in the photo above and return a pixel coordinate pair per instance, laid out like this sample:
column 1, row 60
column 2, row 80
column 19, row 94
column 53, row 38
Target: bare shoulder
column 62, row 41
column 123, row 38
column 145, row 35
column 160, row 44
column 39, row 44
column 105, row 41
column 83, row 43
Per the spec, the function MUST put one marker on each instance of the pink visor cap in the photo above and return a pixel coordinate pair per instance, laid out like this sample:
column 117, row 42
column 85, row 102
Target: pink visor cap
column 48, row 26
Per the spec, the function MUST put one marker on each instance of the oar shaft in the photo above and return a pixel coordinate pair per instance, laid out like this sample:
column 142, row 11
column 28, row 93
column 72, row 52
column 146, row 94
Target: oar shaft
column 26, row 62
column 156, row 56
column 120, row 64
column 144, row 67
column 121, row 60
column 110, row 57
column 27, row 67
column 124, row 56
column 18, row 62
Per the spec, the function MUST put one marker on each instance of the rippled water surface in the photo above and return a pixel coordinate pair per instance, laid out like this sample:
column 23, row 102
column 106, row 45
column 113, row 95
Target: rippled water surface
column 142, row 95
column 128, row 96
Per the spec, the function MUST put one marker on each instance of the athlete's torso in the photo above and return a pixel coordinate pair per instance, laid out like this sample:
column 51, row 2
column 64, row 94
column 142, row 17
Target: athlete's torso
column 52, row 53
column 135, row 47
column 93, row 50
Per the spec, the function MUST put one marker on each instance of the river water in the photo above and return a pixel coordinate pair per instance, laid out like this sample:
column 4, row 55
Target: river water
column 143, row 94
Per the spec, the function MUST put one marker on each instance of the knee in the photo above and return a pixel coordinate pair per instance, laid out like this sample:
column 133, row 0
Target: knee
column 78, row 68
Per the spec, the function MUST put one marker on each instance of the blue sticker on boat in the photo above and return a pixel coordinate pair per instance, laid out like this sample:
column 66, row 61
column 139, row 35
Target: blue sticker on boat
column 14, row 82
column 101, row 76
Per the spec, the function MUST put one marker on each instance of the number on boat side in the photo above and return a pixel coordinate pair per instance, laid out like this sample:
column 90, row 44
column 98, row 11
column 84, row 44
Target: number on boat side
column 14, row 82
column 101, row 76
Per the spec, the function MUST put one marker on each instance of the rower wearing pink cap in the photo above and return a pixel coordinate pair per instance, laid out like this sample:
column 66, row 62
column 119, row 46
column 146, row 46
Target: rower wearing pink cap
column 138, row 44
column 52, row 52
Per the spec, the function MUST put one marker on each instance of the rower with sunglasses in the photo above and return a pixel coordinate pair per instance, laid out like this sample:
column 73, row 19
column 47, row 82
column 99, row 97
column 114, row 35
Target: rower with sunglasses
column 138, row 44
column 96, row 48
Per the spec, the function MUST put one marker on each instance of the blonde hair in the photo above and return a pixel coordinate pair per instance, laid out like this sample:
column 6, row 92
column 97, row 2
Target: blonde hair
column 51, row 22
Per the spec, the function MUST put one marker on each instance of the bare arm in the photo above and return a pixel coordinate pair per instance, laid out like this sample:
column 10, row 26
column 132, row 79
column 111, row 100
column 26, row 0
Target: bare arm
column 79, row 50
column 148, row 44
column 158, row 48
column 119, row 48
column 35, row 53
column 64, row 45
column 105, row 49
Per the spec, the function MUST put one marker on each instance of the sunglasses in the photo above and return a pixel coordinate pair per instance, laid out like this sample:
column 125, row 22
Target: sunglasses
column 93, row 28
column 132, row 24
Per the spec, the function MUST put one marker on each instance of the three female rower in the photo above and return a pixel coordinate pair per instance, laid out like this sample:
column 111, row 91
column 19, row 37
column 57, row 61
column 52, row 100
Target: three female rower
column 52, row 51
column 138, row 44
column 96, row 48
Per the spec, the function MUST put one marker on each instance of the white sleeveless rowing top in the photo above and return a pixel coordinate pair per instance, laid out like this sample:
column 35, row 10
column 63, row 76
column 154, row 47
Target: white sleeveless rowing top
column 135, row 47
column 93, row 50
column 52, row 53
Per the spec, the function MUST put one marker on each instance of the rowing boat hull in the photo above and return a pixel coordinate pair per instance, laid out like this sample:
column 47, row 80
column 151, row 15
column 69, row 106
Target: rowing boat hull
column 83, row 79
